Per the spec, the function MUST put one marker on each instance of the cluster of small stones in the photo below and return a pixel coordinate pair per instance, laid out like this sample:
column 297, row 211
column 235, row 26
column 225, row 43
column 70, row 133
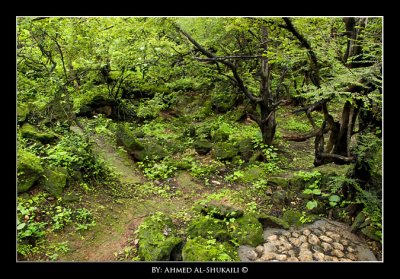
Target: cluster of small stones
column 318, row 242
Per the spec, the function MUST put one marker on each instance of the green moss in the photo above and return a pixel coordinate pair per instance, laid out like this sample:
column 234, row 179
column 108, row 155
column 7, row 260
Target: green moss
column 252, row 174
column 272, row 221
column 205, row 250
column 220, row 211
column 55, row 180
column 247, row 230
column 157, row 238
column 219, row 136
column 371, row 233
column 29, row 170
column 151, row 150
column 358, row 221
column 246, row 148
column 31, row 132
column 225, row 151
column 181, row 165
column 278, row 181
column 126, row 139
column 292, row 217
column 208, row 227
column 22, row 112
column 202, row 147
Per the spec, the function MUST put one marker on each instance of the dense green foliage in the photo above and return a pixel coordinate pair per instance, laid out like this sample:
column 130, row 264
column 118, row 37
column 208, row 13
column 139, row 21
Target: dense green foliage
column 235, row 110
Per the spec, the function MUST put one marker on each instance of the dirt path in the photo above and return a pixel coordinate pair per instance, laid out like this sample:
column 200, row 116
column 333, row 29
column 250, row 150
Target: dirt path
column 117, row 218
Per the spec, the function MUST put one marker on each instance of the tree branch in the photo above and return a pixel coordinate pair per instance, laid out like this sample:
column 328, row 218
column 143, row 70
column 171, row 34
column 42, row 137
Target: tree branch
column 232, row 67
column 300, row 138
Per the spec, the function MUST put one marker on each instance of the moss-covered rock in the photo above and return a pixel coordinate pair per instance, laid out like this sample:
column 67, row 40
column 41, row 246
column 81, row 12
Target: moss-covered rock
column 202, row 147
column 206, row 250
column 256, row 157
column 151, row 151
column 273, row 222
column 29, row 170
column 220, row 211
column 371, row 232
column 292, row 217
column 181, row 165
column 55, row 180
column 22, row 112
column 278, row 181
column 219, row 136
column 224, row 151
column 246, row 148
column 208, row 227
column 157, row 238
column 252, row 174
column 279, row 197
column 358, row 221
column 126, row 138
column 140, row 150
column 31, row 132
column 247, row 230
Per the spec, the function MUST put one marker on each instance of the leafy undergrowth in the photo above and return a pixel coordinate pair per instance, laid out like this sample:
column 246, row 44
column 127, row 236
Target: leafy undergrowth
column 101, row 223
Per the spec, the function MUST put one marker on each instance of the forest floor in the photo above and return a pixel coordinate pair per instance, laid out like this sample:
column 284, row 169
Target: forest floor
column 119, row 216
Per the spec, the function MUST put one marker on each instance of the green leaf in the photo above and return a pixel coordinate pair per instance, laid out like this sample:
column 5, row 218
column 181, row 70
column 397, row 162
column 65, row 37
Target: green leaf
column 21, row 226
column 316, row 192
column 334, row 198
column 312, row 204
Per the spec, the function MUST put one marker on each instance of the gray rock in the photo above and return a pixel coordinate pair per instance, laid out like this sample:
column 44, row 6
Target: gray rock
column 326, row 246
column 313, row 239
column 305, row 255
column 268, row 256
column 295, row 234
column 306, row 232
column 272, row 238
column 304, row 246
column 292, row 259
column 259, row 250
column 302, row 238
column 326, row 239
column 338, row 246
column 351, row 256
column 350, row 249
column 365, row 254
column 295, row 241
column 247, row 253
column 281, row 257
column 337, row 253
column 345, row 242
column 318, row 256
column 269, row 248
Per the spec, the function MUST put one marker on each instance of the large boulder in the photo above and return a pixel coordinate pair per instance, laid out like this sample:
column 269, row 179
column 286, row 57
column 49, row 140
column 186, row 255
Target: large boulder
column 29, row 170
column 225, row 151
column 247, row 230
column 202, row 147
column 55, row 180
column 157, row 238
column 31, row 132
column 208, row 227
column 200, row 249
